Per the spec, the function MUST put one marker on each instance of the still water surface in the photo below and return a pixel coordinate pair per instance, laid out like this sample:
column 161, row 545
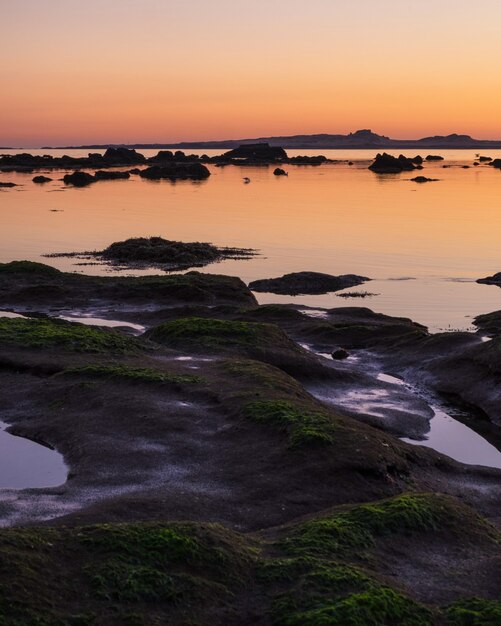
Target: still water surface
column 424, row 245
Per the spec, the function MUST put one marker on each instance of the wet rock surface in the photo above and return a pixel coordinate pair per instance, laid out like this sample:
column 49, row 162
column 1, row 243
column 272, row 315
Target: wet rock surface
column 222, row 415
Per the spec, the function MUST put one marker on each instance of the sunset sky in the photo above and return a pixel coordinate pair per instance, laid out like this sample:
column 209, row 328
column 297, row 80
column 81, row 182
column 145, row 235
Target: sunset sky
column 96, row 71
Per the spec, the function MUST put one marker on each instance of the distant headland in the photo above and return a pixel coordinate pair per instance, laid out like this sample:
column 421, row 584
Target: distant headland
column 361, row 139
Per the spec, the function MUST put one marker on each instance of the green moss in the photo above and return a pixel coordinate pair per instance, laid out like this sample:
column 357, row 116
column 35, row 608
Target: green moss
column 303, row 425
column 359, row 527
column 28, row 267
column 261, row 376
column 474, row 612
column 44, row 333
column 133, row 374
column 197, row 333
column 380, row 606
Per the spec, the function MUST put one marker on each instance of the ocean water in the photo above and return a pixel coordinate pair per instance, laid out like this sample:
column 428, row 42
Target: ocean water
column 424, row 245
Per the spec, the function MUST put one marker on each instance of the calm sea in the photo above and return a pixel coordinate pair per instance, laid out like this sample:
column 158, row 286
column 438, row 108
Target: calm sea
column 424, row 245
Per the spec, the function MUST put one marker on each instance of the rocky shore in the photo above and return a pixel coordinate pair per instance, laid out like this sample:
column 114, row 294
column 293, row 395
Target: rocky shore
column 293, row 509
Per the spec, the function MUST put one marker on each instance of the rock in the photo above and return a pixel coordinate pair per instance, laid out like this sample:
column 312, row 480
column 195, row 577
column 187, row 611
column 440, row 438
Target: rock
column 491, row 280
column 156, row 251
column 123, row 156
column 256, row 151
column 434, row 157
column 8, row 185
column 484, row 159
column 417, row 160
column 41, row 179
column 388, row 164
column 496, row 163
column 350, row 162
column 280, row 172
column 176, row 171
column 111, row 175
column 306, row 283
column 79, row 179
column 307, row 160
column 340, row 354
column 423, row 179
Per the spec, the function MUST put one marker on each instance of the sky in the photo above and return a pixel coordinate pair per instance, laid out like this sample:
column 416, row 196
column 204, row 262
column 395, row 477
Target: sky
column 125, row 71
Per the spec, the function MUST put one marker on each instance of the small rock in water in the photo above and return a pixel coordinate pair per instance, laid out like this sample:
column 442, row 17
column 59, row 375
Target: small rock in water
column 41, row 179
column 339, row 354
column 280, row 172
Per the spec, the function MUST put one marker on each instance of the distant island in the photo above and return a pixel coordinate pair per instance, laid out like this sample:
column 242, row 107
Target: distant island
column 361, row 139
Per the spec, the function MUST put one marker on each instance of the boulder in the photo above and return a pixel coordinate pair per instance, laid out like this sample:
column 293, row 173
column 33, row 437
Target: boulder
column 280, row 172
column 79, row 179
column 388, row 164
column 434, row 157
column 41, row 179
column 123, row 156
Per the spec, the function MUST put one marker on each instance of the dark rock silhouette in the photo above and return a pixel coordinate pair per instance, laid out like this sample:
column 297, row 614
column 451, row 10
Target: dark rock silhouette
column 176, row 171
column 79, row 179
column 111, row 175
column 123, row 156
column 496, row 163
column 388, row 164
column 491, row 280
column 484, row 159
column 306, row 283
column 423, row 179
column 434, row 157
column 41, row 179
column 256, row 151
column 280, row 172
column 7, row 185
column 159, row 252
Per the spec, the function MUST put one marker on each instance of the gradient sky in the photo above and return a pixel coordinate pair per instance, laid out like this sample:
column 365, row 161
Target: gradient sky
column 90, row 71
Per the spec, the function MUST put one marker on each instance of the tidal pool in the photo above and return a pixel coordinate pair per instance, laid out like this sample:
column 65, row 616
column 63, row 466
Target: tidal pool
column 27, row 464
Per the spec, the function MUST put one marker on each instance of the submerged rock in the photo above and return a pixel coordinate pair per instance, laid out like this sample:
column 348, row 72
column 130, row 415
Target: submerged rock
column 307, row 283
column 434, row 157
column 7, row 185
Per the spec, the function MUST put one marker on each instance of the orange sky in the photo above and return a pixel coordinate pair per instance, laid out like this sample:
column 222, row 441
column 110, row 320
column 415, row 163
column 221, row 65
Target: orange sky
column 76, row 71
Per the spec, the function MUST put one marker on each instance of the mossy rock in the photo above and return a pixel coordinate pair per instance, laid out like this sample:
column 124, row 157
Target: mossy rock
column 358, row 528
column 49, row 333
column 303, row 425
column 130, row 374
column 474, row 612
column 208, row 333
column 28, row 267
